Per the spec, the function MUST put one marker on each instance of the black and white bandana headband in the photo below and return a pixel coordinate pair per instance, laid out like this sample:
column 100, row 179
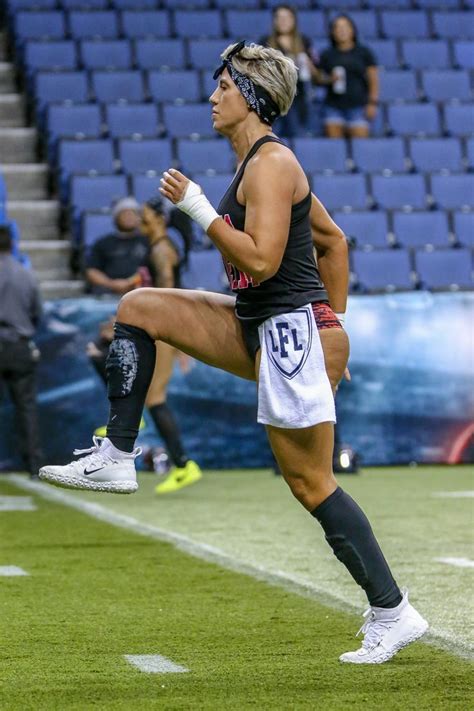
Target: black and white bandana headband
column 257, row 98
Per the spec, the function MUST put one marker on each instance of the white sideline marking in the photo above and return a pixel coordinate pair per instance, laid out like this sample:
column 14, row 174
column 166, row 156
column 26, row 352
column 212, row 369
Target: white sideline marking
column 11, row 570
column 454, row 494
column 203, row 551
column 458, row 562
column 154, row 664
column 16, row 503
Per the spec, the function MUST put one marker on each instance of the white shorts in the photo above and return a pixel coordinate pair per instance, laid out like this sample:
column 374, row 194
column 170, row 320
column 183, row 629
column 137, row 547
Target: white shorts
column 293, row 389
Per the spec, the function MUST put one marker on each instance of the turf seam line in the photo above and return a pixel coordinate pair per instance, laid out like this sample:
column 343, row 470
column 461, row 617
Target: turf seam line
column 457, row 562
column 16, row 503
column 214, row 555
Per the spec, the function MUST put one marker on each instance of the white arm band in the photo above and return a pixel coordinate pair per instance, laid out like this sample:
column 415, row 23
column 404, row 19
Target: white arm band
column 197, row 206
column 341, row 317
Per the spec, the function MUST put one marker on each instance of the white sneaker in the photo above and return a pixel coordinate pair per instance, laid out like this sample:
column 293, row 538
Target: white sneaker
column 386, row 631
column 105, row 468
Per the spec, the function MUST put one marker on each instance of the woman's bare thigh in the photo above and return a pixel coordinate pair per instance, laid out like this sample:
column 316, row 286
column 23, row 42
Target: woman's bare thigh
column 199, row 323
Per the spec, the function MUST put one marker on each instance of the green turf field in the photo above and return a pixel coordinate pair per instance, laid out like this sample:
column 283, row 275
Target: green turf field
column 96, row 592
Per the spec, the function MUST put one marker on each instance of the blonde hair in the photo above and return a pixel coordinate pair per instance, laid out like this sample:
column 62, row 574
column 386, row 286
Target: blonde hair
column 270, row 69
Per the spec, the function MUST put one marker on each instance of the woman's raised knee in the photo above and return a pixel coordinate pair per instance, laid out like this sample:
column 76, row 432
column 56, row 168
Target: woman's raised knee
column 134, row 308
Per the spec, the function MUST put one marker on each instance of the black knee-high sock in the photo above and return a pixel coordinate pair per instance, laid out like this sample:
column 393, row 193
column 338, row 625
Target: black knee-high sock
column 350, row 535
column 169, row 431
column 130, row 366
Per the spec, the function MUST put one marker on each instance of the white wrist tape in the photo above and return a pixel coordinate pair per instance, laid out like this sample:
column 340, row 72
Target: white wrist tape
column 341, row 317
column 197, row 206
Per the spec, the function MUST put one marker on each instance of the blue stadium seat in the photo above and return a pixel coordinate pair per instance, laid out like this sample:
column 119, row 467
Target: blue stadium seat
column 386, row 53
column 366, row 22
column 414, row 119
column 299, row 4
column 94, row 226
column 425, row 54
column 188, row 120
column 470, row 153
column 107, row 54
column 437, row 4
column 463, row 224
column 370, row 229
column 110, row 87
column 339, row 191
column 379, row 154
column 205, row 54
column 81, row 120
column 175, row 86
column 382, row 270
column 435, row 154
column 145, row 23
column 87, row 157
column 464, row 54
column 398, row 85
column 39, row 25
column 445, row 85
column 13, row 6
column 50, row 55
column 84, row 24
column 205, row 155
column 131, row 120
column 55, row 87
column 145, row 156
column 208, row 83
column 199, row 23
column 187, row 4
column 454, row 25
column 145, row 187
column 96, row 193
column 133, row 4
column 83, row 4
column 342, row 5
column 205, row 270
column 393, row 192
column 254, row 23
column 214, row 186
column 247, row 4
column 319, row 155
column 156, row 54
column 388, row 4
column 453, row 192
column 313, row 21
column 419, row 229
column 442, row 269
column 459, row 119
column 404, row 24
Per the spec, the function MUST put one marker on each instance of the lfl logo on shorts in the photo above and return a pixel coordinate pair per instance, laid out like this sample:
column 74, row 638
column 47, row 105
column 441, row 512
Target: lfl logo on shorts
column 288, row 341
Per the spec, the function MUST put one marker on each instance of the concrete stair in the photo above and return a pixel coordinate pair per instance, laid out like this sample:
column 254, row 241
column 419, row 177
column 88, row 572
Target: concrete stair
column 27, row 183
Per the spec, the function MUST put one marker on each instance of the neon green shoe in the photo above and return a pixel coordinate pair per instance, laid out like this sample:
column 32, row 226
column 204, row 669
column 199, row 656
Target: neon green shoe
column 179, row 477
column 102, row 431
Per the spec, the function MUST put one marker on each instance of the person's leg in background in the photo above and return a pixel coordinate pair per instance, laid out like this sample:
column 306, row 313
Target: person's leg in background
column 20, row 378
column 334, row 123
column 358, row 126
column 184, row 471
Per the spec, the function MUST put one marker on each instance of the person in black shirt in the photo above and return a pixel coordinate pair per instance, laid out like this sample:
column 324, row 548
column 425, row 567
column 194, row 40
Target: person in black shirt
column 119, row 262
column 20, row 314
column 352, row 82
column 288, row 39
column 281, row 331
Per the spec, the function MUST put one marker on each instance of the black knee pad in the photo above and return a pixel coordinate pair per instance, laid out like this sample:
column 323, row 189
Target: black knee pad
column 345, row 551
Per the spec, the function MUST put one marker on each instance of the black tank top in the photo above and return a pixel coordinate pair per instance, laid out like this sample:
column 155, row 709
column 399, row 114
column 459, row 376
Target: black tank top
column 297, row 281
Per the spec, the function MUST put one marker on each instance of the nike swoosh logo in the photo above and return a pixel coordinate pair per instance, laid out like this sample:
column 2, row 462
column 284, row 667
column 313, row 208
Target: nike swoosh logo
column 91, row 471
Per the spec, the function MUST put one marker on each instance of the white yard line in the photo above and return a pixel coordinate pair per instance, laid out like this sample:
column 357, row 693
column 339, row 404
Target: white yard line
column 215, row 555
column 457, row 562
column 453, row 494
column 16, row 503
column 10, row 571
column 154, row 664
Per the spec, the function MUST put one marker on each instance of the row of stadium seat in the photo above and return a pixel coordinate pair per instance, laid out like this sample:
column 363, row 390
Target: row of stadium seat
column 15, row 5
column 185, row 85
column 147, row 120
column 252, row 24
column 394, row 192
column 172, row 54
column 316, row 155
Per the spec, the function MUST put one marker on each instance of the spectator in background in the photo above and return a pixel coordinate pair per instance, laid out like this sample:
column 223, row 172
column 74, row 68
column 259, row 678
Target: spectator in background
column 288, row 39
column 352, row 82
column 119, row 262
column 20, row 313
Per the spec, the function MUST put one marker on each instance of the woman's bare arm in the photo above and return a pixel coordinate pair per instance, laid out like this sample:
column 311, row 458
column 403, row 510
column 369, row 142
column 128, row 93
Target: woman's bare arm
column 331, row 249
